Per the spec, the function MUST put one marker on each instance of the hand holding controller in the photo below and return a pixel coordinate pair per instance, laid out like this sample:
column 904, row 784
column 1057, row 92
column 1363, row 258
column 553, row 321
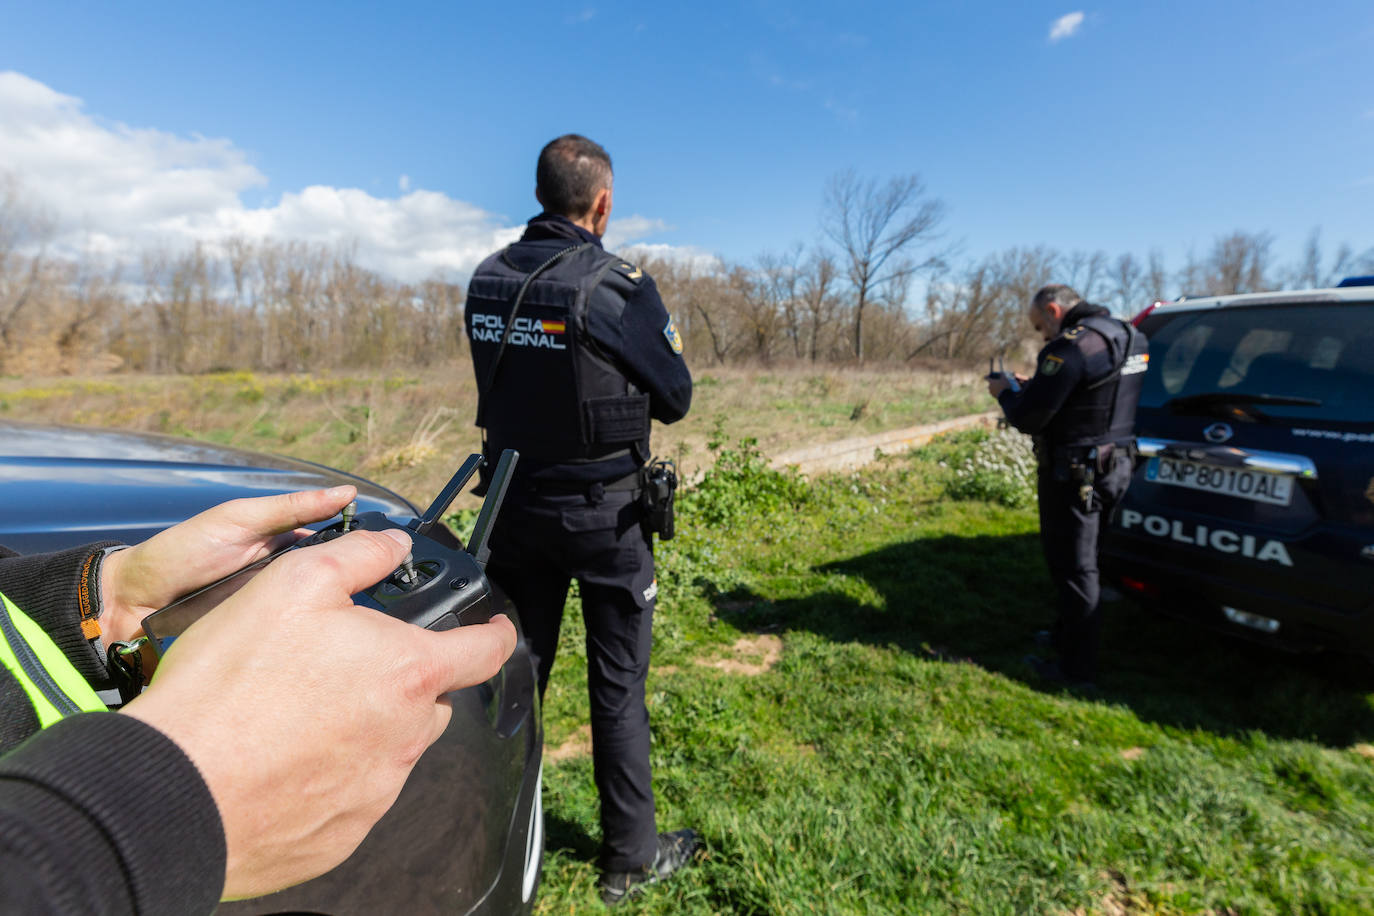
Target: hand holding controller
column 1001, row 373
column 437, row 587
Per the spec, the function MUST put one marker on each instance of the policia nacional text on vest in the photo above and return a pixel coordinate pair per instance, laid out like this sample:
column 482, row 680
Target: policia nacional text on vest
column 560, row 398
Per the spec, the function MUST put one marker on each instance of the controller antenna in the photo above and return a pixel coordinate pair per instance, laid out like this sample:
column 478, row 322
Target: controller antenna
column 349, row 511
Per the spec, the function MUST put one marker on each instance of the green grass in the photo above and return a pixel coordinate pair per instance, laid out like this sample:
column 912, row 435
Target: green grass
column 900, row 758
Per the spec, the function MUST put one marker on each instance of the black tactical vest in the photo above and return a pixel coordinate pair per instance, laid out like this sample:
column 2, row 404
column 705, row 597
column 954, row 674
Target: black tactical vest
column 544, row 386
column 1101, row 408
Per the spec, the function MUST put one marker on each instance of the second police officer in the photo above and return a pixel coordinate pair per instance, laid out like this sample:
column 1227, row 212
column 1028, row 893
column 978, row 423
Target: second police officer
column 573, row 353
column 1080, row 408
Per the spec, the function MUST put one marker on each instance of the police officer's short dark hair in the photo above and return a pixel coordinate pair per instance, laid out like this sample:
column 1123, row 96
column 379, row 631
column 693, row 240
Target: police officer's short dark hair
column 1055, row 292
column 572, row 169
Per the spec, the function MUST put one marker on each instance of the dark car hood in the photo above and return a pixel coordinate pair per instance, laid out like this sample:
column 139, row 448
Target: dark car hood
column 62, row 486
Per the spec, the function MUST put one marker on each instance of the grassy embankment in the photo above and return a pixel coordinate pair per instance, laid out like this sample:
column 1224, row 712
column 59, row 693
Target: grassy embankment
column 840, row 707
column 410, row 430
column 838, row 699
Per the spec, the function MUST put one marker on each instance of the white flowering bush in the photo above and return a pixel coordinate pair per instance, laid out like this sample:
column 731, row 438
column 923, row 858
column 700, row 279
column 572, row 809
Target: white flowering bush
column 1001, row 470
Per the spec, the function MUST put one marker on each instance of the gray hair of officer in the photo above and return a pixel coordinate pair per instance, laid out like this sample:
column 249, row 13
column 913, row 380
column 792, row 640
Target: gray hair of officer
column 1055, row 292
column 571, row 171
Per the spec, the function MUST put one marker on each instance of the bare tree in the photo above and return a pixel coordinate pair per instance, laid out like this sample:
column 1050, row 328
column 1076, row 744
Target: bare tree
column 1311, row 273
column 816, row 292
column 783, row 275
column 1156, row 277
column 1237, row 263
column 440, row 304
column 701, row 296
column 1085, row 272
column 880, row 230
column 94, row 295
column 25, row 232
column 288, row 305
column 1128, row 280
column 983, row 310
column 767, row 294
column 967, row 323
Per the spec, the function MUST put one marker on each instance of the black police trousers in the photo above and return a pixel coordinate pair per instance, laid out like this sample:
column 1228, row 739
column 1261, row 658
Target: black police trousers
column 1070, row 536
column 543, row 540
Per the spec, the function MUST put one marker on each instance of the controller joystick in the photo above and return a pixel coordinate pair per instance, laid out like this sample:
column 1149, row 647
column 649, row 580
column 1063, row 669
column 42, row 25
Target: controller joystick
column 407, row 573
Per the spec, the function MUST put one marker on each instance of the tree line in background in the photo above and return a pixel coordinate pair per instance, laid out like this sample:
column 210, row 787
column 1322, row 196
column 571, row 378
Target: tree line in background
column 882, row 286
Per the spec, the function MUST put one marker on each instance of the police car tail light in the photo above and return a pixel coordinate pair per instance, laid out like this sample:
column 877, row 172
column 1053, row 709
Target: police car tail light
column 1140, row 587
column 1146, row 312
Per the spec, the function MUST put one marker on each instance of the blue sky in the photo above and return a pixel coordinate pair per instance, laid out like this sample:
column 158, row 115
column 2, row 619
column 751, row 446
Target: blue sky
column 1117, row 126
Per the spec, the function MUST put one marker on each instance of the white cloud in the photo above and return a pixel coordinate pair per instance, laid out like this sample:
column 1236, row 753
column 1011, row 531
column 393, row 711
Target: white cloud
column 700, row 261
column 100, row 178
column 623, row 231
column 410, row 237
column 118, row 191
column 1066, row 26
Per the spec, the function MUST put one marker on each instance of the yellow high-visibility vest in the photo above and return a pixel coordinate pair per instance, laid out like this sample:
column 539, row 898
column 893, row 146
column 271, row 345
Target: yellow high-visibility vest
column 54, row 686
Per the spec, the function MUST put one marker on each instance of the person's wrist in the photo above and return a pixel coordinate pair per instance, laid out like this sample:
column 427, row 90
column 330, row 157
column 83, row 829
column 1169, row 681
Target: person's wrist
column 121, row 619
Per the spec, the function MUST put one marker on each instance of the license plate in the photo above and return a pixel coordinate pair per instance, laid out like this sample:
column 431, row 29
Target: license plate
column 1242, row 483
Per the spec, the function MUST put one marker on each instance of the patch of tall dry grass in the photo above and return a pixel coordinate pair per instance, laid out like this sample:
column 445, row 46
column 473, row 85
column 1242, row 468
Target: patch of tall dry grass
column 409, row 430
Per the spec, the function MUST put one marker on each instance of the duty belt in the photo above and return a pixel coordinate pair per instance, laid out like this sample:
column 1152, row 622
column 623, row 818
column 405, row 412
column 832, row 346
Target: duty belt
column 1052, row 456
column 629, row 483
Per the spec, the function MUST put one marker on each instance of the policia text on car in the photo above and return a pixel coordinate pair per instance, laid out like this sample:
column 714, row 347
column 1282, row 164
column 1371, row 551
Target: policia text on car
column 1080, row 407
column 573, row 353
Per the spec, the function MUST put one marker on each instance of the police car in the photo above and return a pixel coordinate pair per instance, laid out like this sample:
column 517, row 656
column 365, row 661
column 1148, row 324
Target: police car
column 1252, row 507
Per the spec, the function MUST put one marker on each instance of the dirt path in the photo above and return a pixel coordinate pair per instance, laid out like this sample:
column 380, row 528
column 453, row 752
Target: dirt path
column 847, row 454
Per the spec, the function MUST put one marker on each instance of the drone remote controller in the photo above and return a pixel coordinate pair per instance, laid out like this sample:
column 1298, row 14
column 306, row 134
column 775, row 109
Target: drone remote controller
column 437, row 587
column 1001, row 372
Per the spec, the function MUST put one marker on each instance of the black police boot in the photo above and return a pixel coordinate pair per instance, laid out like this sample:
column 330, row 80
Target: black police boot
column 1051, row 672
column 675, row 850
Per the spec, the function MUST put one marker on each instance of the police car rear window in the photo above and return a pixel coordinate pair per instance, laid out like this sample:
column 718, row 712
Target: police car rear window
column 1316, row 352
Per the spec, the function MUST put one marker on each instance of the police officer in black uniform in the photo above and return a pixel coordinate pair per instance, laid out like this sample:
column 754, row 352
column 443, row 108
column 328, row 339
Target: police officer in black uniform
column 1080, row 408
column 574, row 352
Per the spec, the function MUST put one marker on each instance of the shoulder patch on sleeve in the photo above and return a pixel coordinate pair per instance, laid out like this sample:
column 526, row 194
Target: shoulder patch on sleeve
column 629, row 271
column 1073, row 332
column 674, row 338
column 1051, row 364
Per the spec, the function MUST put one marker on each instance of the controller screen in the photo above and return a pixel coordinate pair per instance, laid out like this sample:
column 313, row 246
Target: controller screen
column 163, row 626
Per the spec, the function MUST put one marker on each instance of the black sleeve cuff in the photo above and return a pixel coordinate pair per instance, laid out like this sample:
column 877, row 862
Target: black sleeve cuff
column 47, row 587
column 104, row 813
